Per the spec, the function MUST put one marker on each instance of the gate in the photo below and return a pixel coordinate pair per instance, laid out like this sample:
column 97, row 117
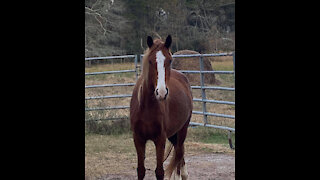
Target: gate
column 203, row 88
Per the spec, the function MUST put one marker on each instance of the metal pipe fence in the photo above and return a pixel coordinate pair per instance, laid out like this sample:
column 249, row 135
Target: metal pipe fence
column 202, row 87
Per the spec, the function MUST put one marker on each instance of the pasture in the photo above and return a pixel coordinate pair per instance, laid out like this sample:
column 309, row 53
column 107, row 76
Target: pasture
column 109, row 148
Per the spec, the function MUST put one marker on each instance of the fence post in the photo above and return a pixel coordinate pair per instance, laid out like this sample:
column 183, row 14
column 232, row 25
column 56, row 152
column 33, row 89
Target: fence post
column 136, row 65
column 230, row 140
column 141, row 64
column 203, row 92
column 234, row 65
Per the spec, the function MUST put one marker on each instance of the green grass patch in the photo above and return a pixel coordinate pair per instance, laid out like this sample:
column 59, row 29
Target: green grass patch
column 209, row 135
column 108, row 127
column 122, row 127
column 109, row 143
column 223, row 65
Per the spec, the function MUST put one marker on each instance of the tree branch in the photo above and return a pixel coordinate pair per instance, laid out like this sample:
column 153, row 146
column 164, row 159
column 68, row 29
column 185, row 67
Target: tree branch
column 96, row 13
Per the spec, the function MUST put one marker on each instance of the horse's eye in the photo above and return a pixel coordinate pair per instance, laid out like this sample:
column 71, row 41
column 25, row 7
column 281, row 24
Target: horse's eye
column 170, row 61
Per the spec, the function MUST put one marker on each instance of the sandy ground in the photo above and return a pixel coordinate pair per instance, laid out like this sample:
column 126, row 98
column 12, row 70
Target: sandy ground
column 214, row 166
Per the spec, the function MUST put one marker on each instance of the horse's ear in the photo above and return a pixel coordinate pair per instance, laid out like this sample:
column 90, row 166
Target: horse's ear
column 168, row 41
column 149, row 41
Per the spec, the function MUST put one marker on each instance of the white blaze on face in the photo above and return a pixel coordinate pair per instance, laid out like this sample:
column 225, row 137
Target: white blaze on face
column 161, row 85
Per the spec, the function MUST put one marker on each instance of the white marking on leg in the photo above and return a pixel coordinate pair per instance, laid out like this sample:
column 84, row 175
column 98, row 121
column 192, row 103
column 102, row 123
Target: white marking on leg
column 176, row 175
column 184, row 172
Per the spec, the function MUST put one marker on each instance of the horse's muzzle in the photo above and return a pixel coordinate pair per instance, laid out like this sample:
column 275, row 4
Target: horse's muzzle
column 161, row 93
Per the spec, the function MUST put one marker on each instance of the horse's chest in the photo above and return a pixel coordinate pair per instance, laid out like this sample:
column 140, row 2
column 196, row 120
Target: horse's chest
column 149, row 128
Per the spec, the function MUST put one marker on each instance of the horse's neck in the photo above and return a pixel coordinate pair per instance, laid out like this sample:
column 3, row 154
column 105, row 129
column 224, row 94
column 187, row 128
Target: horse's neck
column 146, row 96
column 149, row 103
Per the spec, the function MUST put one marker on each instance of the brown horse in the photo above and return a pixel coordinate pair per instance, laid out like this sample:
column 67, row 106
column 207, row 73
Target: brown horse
column 160, row 108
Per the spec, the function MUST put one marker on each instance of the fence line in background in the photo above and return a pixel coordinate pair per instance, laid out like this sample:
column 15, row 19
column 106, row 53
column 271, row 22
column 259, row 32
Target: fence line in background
column 202, row 86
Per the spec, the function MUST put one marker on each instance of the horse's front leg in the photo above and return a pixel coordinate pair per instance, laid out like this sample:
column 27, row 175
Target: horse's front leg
column 160, row 147
column 140, row 148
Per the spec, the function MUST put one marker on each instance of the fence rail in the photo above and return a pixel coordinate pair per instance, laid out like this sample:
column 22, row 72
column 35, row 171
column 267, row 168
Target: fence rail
column 109, row 57
column 213, row 88
column 214, row 101
column 210, row 72
column 106, row 108
column 202, row 87
column 109, row 72
column 109, row 85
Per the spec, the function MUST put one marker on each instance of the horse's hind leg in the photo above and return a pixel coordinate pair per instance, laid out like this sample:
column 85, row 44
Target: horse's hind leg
column 176, row 167
column 181, row 136
column 170, row 167
column 178, row 159
column 140, row 148
column 183, row 170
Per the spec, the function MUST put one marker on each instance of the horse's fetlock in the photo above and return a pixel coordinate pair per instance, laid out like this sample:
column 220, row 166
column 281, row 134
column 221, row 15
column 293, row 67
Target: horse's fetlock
column 141, row 172
column 159, row 173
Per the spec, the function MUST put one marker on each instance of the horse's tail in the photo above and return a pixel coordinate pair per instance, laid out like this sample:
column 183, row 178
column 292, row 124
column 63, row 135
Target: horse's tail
column 168, row 151
column 169, row 170
column 174, row 162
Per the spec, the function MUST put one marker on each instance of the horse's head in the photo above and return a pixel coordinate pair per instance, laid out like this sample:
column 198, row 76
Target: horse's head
column 159, row 59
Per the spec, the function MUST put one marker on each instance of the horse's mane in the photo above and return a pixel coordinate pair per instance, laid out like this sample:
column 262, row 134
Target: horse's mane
column 157, row 43
column 145, row 64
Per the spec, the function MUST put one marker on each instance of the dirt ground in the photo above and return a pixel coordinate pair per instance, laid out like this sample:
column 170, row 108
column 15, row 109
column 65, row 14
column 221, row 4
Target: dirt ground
column 214, row 166
column 111, row 157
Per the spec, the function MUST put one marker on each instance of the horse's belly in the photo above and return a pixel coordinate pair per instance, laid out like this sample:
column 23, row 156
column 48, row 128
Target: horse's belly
column 178, row 116
column 180, row 103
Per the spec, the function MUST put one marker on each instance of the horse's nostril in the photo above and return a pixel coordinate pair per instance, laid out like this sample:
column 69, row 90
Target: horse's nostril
column 165, row 96
column 157, row 92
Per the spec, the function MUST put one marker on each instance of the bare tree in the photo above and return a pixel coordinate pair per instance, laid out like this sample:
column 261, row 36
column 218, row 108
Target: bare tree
column 103, row 26
column 121, row 26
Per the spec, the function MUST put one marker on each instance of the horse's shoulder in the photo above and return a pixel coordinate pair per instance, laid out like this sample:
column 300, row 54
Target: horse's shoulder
column 138, row 84
column 179, row 76
column 135, row 94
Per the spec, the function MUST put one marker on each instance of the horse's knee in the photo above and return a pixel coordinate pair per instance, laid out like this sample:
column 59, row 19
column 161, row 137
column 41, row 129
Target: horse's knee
column 159, row 173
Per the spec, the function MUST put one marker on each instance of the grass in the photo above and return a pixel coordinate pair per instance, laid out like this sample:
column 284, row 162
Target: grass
column 122, row 127
column 222, row 64
column 209, row 135
column 109, row 67
column 111, row 127
column 129, row 76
